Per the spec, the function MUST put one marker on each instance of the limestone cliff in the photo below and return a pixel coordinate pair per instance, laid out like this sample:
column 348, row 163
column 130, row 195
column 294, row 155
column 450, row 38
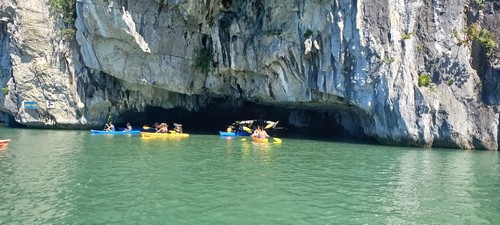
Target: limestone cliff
column 357, row 60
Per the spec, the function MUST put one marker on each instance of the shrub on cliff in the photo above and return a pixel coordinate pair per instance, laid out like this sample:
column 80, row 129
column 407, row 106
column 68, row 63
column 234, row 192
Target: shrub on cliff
column 308, row 33
column 202, row 59
column 483, row 37
column 424, row 80
column 66, row 9
column 407, row 35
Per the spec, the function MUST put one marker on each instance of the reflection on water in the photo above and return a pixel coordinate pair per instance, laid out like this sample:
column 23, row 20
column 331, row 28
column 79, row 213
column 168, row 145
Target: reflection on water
column 264, row 151
column 229, row 148
column 2, row 153
column 261, row 151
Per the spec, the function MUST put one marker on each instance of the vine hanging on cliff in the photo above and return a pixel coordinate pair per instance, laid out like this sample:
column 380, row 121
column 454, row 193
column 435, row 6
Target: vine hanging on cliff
column 203, row 59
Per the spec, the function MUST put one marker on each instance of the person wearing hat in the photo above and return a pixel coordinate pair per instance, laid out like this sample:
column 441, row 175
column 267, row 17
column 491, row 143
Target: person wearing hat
column 163, row 128
column 178, row 128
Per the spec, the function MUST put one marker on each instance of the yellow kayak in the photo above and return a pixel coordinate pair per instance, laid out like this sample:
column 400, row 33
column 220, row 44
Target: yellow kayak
column 260, row 140
column 163, row 135
column 265, row 140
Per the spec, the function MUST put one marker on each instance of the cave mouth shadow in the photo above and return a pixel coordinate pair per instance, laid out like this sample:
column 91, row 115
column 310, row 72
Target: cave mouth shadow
column 311, row 124
column 7, row 120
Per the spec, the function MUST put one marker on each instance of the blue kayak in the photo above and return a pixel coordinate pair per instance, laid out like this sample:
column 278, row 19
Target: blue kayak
column 115, row 132
column 234, row 134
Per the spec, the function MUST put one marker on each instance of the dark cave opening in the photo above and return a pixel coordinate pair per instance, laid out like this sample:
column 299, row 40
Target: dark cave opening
column 210, row 120
column 294, row 122
column 9, row 121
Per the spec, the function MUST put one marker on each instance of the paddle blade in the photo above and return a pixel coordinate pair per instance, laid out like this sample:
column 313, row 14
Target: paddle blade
column 271, row 124
column 247, row 129
column 277, row 140
column 243, row 139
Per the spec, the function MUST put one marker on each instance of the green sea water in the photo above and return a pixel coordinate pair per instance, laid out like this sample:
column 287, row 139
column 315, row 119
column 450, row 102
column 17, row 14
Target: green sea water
column 73, row 177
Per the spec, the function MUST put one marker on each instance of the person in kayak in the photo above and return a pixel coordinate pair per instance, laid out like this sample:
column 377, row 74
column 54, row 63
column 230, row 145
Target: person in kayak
column 178, row 128
column 110, row 127
column 260, row 133
column 106, row 126
column 128, row 128
column 163, row 128
column 229, row 129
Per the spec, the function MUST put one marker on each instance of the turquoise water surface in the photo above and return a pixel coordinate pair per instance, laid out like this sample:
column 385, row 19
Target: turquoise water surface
column 73, row 177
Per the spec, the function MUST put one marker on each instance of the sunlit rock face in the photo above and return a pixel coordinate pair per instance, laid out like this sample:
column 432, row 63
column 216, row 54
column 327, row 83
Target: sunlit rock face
column 36, row 66
column 357, row 61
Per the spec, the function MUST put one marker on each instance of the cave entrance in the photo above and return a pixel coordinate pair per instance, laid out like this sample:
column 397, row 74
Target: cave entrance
column 9, row 121
column 304, row 123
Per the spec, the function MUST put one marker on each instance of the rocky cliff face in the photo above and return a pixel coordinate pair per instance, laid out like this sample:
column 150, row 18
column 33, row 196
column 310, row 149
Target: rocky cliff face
column 358, row 61
column 36, row 66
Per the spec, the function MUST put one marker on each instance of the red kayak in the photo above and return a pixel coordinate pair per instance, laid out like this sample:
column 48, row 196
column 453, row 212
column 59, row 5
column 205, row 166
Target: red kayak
column 4, row 143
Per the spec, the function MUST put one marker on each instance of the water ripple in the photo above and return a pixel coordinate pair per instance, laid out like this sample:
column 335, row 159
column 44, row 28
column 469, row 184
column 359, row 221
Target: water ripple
column 77, row 178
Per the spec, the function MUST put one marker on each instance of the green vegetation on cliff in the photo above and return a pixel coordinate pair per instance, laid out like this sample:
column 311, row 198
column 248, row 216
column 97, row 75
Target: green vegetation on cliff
column 66, row 9
column 480, row 3
column 407, row 35
column 203, row 59
column 308, row 33
column 424, row 80
column 483, row 37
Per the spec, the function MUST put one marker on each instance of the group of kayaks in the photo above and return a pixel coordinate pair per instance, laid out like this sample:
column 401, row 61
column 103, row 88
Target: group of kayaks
column 242, row 130
column 146, row 133
column 143, row 134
